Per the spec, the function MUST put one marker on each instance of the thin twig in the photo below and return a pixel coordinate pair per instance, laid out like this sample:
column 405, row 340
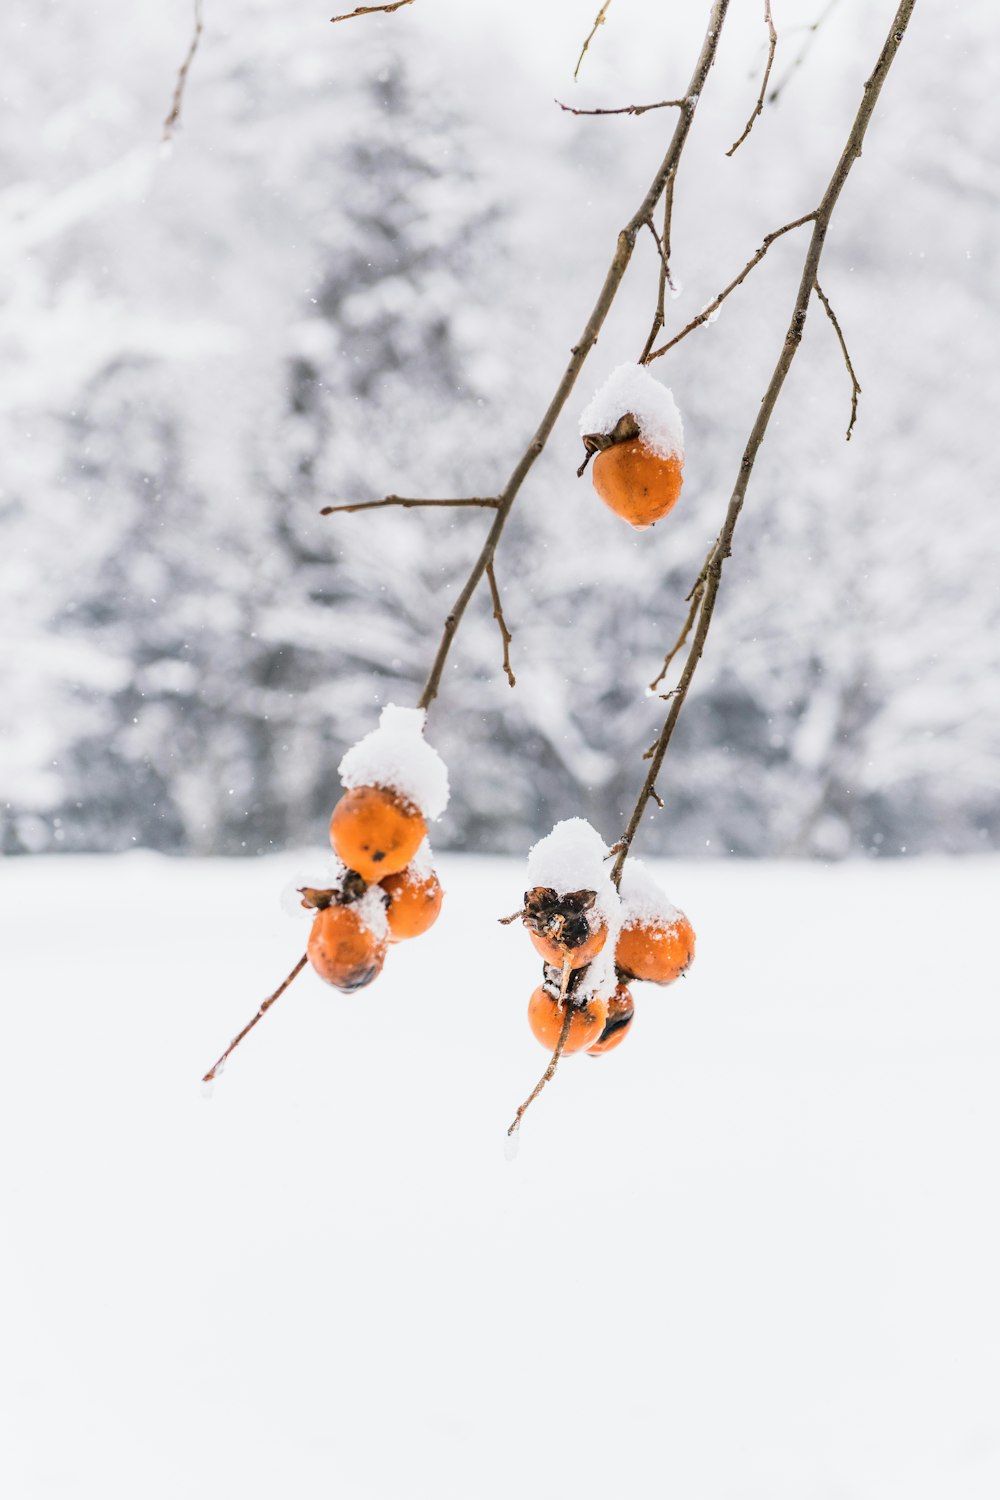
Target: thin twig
column 664, row 281
column 505, row 634
column 217, row 1067
column 578, row 354
column 515, row 1124
column 793, row 338
column 695, row 598
column 175, row 109
column 593, row 32
column 332, row 510
column 855, row 387
column 800, row 56
column 716, row 302
column 759, row 106
column 371, row 10
column 627, row 109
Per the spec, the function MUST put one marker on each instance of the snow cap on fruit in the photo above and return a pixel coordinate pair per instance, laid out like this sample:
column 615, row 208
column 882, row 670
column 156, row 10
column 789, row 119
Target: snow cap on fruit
column 396, row 756
column 631, row 391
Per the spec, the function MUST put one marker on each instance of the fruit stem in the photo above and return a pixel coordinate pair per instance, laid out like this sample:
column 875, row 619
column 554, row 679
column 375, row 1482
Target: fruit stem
column 515, row 1124
column 217, row 1067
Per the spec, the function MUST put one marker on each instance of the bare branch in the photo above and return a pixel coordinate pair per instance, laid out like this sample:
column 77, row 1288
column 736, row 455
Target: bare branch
column 855, row 387
column 175, row 108
column 759, row 106
column 716, row 302
column 505, row 634
column 217, row 1067
column 803, row 51
column 593, row 32
column 663, row 281
column 793, row 338
column 371, row 10
column 695, row 598
column 515, row 1124
column 627, row 109
column 578, row 354
column 407, row 504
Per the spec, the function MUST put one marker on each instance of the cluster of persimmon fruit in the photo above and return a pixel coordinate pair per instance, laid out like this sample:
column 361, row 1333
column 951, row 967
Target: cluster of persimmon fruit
column 569, row 933
column 389, row 890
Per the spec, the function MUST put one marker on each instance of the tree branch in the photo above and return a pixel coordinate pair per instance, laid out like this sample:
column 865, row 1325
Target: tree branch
column 593, row 32
column 627, row 109
column 218, row 1066
column 579, row 352
column 371, row 10
column 759, row 106
column 175, row 109
column 706, row 313
column 663, row 281
column 505, row 634
column 855, row 387
column 407, row 504
column 695, row 600
column 793, row 337
column 515, row 1124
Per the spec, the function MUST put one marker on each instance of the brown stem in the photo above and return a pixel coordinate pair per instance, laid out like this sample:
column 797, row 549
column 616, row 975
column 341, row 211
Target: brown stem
column 178, row 99
column 217, row 1067
column 579, row 352
column 372, row 10
column 515, row 1124
column 759, row 106
column 660, row 315
column 717, row 302
column 505, row 634
column 855, row 387
column 695, row 598
column 407, row 504
column 593, row 32
column 626, row 109
column 793, row 337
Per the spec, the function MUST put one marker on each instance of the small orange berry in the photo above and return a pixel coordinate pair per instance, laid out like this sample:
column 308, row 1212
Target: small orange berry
column 546, row 1016
column 414, row 903
column 636, row 483
column 375, row 831
column 343, row 949
column 621, row 1010
column 658, row 950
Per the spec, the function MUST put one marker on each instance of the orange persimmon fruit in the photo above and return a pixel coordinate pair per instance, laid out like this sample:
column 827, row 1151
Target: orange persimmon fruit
column 658, row 950
column 375, row 831
column 343, row 949
column 555, row 952
column 546, row 1015
column 414, row 903
column 621, row 1010
column 636, row 483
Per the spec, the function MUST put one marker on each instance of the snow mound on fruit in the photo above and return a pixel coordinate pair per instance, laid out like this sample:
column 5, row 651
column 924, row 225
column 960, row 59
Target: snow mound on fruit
column 396, row 756
column 643, row 900
column 631, row 388
column 573, row 857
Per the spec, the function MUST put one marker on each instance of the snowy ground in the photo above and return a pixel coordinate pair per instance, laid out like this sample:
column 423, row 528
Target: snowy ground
column 753, row 1253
